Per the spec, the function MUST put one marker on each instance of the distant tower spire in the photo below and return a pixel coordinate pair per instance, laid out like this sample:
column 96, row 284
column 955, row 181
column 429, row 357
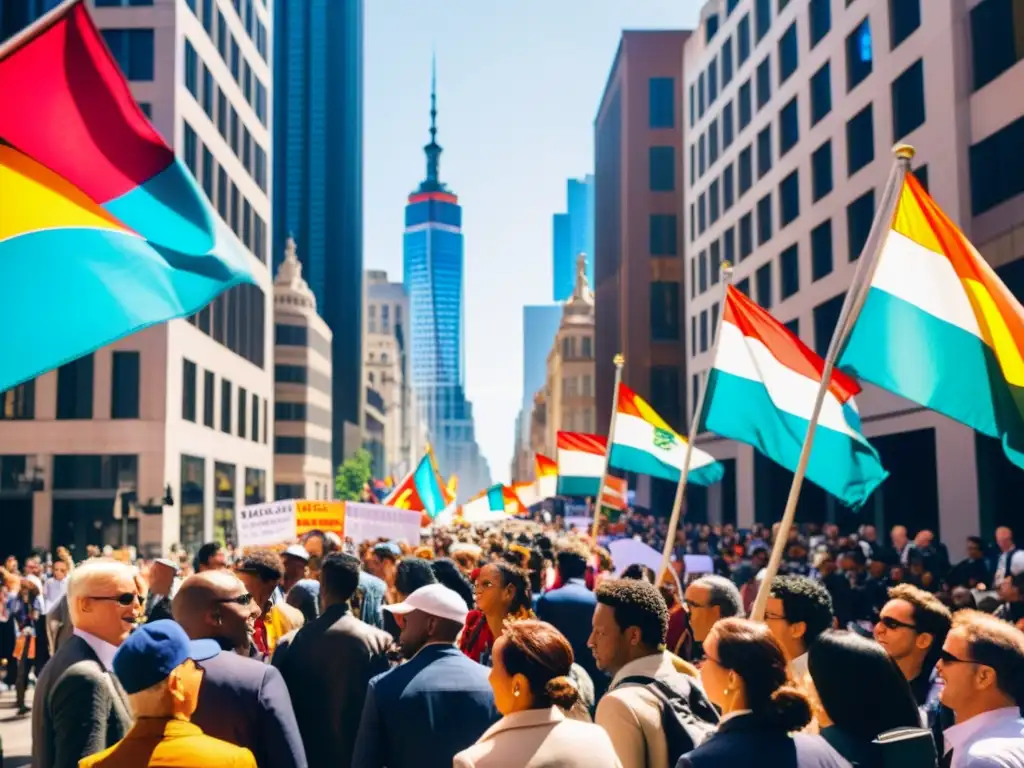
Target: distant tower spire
column 433, row 149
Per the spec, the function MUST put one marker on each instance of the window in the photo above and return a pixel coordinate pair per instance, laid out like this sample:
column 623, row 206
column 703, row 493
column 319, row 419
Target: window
column 702, row 271
column 222, row 36
column 726, row 62
column 743, row 286
column 728, row 188
column 821, row 250
column 860, row 141
column 191, row 69
column 188, row 390
column 729, row 245
column 693, row 278
column 208, row 173
column 147, row 109
column 663, row 234
column 133, row 51
column 710, row 27
column 662, row 169
column 702, row 209
column 208, row 92
column 208, row 17
column 713, row 209
column 74, row 388
column 764, row 82
column 222, row 192
column 746, row 235
column 19, row 403
column 789, row 272
column 826, row 316
column 859, row 216
column 908, row 100
column 821, row 171
column 820, row 20
column 997, row 167
column 704, row 331
column 701, row 103
column 727, row 127
column 124, row 385
column 746, row 170
column 904, row 18
column 208, row 395
column 744, row 104
column 693, row 105
column 255, row 433
column 764, row 151
column 693, row 164
column 821, row 93
column 665, row 311
column 921, row 172
column 789, row 127
column 222, row 114
column 701, row 154
column 787, row 53
column 662, row 107
column 858, row 54
column 243, row 402
column 764, row 219
column 789, row 198
column 763, row 285
column 762, row 18
column 743, row 40
column 712, row 82
column 712, row 142
column 225, row 406
column 793, row 326
column 996, row 40
column 716, row 262
column 714, row 321
column 695, row 394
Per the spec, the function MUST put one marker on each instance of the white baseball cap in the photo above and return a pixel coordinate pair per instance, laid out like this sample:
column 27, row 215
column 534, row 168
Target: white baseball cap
column 435, row 600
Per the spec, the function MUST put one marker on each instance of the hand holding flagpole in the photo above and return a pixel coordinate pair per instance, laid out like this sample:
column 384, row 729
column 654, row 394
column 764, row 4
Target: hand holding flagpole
column 619, row 361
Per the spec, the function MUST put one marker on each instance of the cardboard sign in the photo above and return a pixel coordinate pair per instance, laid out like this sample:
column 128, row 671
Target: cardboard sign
column 323, row 516
column 370, row 521
column 260, row 525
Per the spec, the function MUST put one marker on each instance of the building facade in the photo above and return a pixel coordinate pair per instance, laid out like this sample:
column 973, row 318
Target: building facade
column 302, row 388
column 177, row 416
column 790, row 116
column 638, row 247
column 573, row 234
column 318, row 177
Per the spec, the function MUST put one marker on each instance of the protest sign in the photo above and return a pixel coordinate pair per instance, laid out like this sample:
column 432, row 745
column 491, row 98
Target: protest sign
column 371, row 521
column 322, row 516
column 265, row 524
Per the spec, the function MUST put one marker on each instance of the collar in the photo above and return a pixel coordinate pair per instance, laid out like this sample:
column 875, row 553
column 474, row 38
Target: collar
column 335, row 611
column 104, row 651
column 960, row 735
column 735, row 713
column 657, row 665
column 162, row 728
column 528, row 718
column 798, row 667
column 437, row 646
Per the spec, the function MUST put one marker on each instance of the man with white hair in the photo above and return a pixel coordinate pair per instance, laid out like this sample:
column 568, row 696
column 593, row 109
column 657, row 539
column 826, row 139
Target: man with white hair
column 79, row 708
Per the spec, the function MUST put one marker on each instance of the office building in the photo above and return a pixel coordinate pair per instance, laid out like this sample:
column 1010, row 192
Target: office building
column 433, row 278
column 573, row 234
column 15, row 15
column 175, row 416
column 302, row 388
column 638, row 247
column 790, row 117
column 318, row 178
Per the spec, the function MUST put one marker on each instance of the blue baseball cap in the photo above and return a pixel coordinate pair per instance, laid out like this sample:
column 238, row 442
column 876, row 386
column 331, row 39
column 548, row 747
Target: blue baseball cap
column 154, row 650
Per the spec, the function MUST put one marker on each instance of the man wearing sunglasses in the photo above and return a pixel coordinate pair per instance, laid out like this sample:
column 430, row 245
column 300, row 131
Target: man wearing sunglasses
column 79, row 708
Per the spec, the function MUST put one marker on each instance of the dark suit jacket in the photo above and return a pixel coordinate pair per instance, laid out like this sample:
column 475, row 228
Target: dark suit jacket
column 245, row 702
column 439, row 698
column 78, row 709
column 328, row 666
column 741, row 737
column 570, row 608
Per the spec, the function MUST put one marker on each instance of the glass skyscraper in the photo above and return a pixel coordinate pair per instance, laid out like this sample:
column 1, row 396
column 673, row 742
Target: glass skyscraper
column 318, row 178
column 433, row 276
column 573, row 234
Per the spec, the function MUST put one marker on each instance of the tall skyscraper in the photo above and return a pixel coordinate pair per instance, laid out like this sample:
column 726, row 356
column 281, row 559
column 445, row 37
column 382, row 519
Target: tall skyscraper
column 318, row 178
column 573, row 234
column 433, row 276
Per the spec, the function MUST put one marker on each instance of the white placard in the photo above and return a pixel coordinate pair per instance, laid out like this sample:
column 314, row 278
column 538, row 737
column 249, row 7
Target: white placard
column 261, row 525
column 371, row 521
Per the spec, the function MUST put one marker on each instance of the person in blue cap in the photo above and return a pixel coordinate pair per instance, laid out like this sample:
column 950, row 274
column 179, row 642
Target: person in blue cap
column 160, row 670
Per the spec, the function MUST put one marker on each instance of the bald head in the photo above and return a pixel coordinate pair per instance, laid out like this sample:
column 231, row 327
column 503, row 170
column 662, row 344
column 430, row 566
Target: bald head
column 214, row 604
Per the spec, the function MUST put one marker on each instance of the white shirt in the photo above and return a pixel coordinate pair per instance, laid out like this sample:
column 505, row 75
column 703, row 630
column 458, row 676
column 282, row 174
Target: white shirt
column 798, row 667
column 53, row 591
column 993, row 738
column 104, row 651
column 1011, row 568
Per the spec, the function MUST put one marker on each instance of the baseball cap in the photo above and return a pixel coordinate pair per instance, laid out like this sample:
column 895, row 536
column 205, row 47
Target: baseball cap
column 435, row 600
column 154, row 650
column 297, row 551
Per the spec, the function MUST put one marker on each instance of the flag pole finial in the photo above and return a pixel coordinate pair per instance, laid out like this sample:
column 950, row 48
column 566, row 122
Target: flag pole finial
column 726, row 269
column 619, row 360
column 904, row 151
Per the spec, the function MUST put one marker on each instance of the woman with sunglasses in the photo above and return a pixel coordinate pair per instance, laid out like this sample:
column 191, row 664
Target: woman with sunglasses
column 746, row 675
column 502, row 592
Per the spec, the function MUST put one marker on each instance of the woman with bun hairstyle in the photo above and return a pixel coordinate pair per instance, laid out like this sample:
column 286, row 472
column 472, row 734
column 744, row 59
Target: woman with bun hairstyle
column 745, row 674
column 532, row 689
column 502, row 594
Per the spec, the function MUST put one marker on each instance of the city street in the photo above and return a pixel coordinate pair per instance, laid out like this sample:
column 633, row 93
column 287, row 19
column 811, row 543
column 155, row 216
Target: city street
column 15, row 734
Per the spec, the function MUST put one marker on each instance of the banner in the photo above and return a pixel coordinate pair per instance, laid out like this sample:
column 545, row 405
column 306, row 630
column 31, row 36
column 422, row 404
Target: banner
column 371, row 521
column 261, row 525
column 323, row 516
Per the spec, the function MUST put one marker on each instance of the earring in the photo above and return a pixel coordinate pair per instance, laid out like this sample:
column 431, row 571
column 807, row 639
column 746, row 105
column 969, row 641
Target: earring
column 725, row 692
column 516, row 691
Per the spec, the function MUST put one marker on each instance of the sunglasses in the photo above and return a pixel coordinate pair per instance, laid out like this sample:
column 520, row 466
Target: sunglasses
column 125, row 598
column 948, row 658
column 890, row 623
column 243, row 599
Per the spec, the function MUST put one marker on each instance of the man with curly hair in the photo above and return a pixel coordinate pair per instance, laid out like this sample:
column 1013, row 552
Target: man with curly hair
column 799, row 609
column 261, row 572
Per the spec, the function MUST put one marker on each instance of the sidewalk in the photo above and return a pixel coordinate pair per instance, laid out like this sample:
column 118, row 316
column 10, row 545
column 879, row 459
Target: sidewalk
column 15, row 733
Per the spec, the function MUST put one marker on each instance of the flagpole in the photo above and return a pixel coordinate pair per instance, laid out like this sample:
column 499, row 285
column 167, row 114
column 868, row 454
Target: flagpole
column 677, row 504
column 619, row 361
column 852, row 305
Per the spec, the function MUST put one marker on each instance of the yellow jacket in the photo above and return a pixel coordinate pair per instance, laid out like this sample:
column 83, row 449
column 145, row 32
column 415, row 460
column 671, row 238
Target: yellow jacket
column 167, row 743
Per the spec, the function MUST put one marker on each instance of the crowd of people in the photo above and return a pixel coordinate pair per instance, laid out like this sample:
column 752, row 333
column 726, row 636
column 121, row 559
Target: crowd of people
column 523, row 644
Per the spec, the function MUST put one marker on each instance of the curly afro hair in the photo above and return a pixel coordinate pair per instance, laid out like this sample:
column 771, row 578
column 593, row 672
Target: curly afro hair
column 637, row 604
column 265, row 563
column 804, row 599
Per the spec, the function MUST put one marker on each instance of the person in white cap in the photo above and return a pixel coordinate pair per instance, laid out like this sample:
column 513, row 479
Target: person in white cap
column 437, row 703
column 293, row 561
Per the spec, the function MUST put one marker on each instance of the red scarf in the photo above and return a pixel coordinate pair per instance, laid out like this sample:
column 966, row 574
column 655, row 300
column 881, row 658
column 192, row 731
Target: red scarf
column 476, row 636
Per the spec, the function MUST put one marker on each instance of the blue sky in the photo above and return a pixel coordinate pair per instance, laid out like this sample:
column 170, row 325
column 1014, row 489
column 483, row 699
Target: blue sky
column 518, row 88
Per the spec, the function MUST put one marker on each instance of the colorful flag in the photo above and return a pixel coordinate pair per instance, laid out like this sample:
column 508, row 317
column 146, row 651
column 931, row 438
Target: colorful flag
column 644, row 443
column 939, row 327
column 526, row 493
column 421, row 490
column 761, row 391
column 487, row 506
column 103, row 231
column 452, row 486
column 547, row 476
column 580, row 463
column 616, row 494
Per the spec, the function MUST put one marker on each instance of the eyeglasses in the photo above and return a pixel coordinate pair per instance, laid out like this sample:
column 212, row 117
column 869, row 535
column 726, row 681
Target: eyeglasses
column 125, row 598
column 691, row 604
column 243, row 599
column 890, row 623
column 948, row 658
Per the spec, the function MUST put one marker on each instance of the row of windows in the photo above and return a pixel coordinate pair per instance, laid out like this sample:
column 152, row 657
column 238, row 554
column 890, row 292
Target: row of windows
column 133, row 51
column 237, row 319
column 300, row 374
column 583, row 350
column 304, row 412
column 301, row 336
column 248, row 411
column 385, row 318
column 220, row 189
column 578, row 386
column 302, row 446
column 200, row 83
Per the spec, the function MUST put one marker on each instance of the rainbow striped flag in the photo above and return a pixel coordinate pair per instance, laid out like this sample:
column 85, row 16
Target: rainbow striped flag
column 422, row 490
column 103, row 231
column 939, row 327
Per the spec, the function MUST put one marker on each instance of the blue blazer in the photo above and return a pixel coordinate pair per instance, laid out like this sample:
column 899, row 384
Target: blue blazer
column 741, row 737
column 420, row 714
column 570, row 608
